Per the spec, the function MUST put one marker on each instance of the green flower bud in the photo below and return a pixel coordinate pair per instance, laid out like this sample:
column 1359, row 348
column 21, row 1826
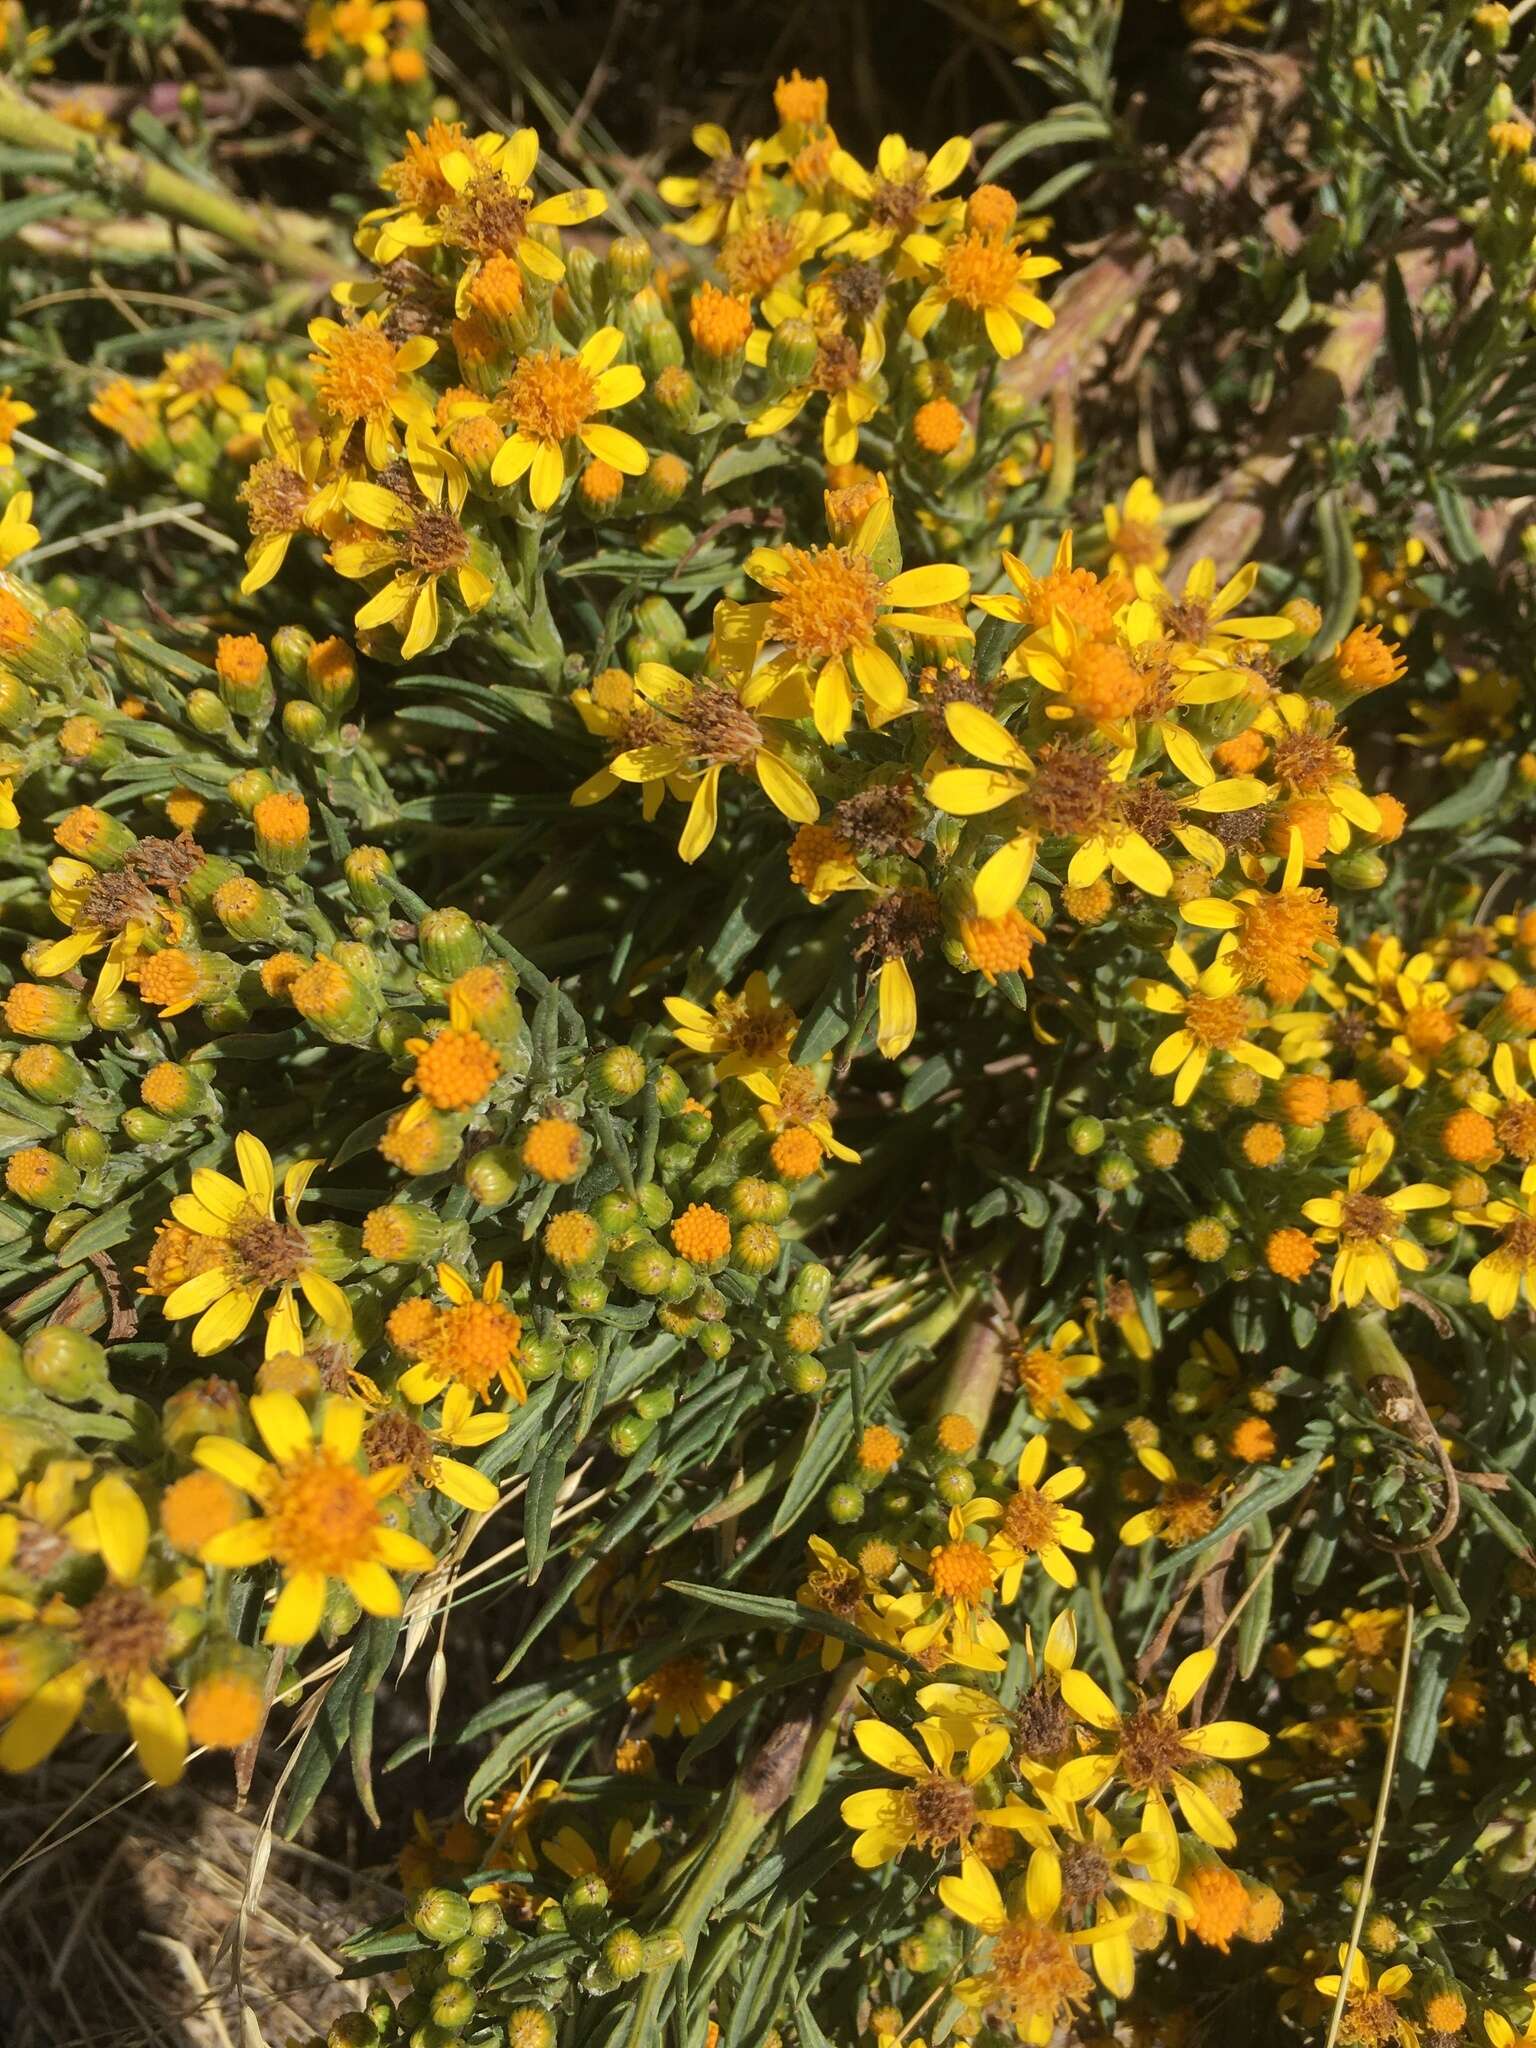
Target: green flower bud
column 623, row 1954
column 715, row 1341
column 755, row 1248
column 364, row 868
column 42, row 1179
column 805, row 1376
column 792, row 353
column 442, row 1916
column 811, row 1289
column 453, row 2005
column 580, row 1361
column 306, row 725
column 647, row 1269
column 65, row 1364
column 615, row 1075
column 587, row 1293
column 1085, row 1135
column 49, row 1074
column 291, row 646
column 845, row 1504
column 450, row 943
column 758, row 1201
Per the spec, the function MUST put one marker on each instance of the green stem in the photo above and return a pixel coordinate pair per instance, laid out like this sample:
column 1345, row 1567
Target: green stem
column 86, row 160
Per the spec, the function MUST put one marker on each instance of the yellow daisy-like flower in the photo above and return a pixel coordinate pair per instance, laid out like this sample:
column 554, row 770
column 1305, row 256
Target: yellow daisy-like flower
column 1031, row 1977
column 728, row 194
column 258, row 1252
column 962, row 1576
column 834, row 1586
column 623, row 1868
column 14, row 413
column 479, row 198
column 474, row 1342
column 1152, row 1754
column 989, row 277
column 394, row 1438
column 1495, row 1282
column 1411, row 1002
column 195, row 380
column 1094, row 1873
column 1311, row 768
column 18, row 536
column 846, row 373
column 417, row 540
column 1275, row 934
column 552, row 399
column 1369, row 1229
column 1370, row 2010
column 746, row 1034
column 701, row 727
column 936, row 1810
column 115, row 913
column 1203, row 623
column 682, row 1695
column 282, row 496
column 899, row 199
column 1135, row 531
column 792, row 1099
column 1185, row 1509
column 1215, row 1017
column 831, row 606
column 362, row 379
column 1046, row 1372
column 120, row 1640
column 320, row 1515
column 1036, row 1525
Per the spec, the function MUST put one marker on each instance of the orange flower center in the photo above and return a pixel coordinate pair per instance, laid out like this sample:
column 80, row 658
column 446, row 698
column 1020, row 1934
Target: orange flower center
column 321, row 1516
column 1216, row 1022
column 549, row 396
column 1030, row 1520
column 961, row 1571
column 1152, row 1748
column 1103, row 683
column 979, row 272
column 475, row 1343
column 827, row 604
column 1278, row 937
column 123, row 1635
column 417, row 179
column 1037, row 1975
column 266, row 1253
column 356, row 377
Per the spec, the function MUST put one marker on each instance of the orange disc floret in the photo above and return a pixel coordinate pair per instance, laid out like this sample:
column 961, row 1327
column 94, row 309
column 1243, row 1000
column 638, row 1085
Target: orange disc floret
column 240, row 658
column 389, row 1233
column 1344, row 1095
column 719, row 322
column 702, row 1235
column 956, row 1434
column 1303, row 1100
column 1393, row 819
column 1103, row 683
column 601, row 486
column 1220, row 1902
column 1090, row 904
column 1361, row 1125
column 1000, row 945
column 289, row 1372
column 795, row 1153
column 1252, row 1441
column 164, row 1088
column 17, row 625
column 1310, row 816
column 77, row 737
column 555, row 1149
column 1290, row 1253
column 961, row 1571
column 1366, row 660
column 170, row 979
column 801, row 101
column 282, row 819
column 457, row 1069
column 991, row 210
column 938, row 426
column 634, row 1757
column 879, row 1449
column 30, row 1171
column 279, row 972
column 410, row 1324
column 84, row 831
column 814, row 849
column 424, row 1145
column 323, row 992
column 185, row 809
column 1263, row 1144
column 476, row 1343
column 30, row 1009
column 1468, row 1137
column 1241, row 754
column 196, row 1509
column 572, row 1238
column 225, row 1710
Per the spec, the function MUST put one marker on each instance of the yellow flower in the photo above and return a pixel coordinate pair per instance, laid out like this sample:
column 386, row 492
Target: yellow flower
column 702, row 727
column 257, row 1252
column 962, row 1575
column 361, row 380
column 113, row 913
column 474, row 1342
column 395, row 1438
column 937, row 1809
column 1152, row 1754
column 1135, row 531
column 1275, row 934
column 682, row 1696
column 899, row 199
column 625, row 1870
column 1031, row 1978
column 1216, row 1018
column 1501, row 2032
column 845, row 373
column 320, row 1516
column 746, row 1034
column 17, row 533
column 728, row 194
column 551, row 399
column 417, row 541
column 1098, row 1873
column 1045, row 1374
column 14, row 413
column 834, row 1586
column 282, row 496
column 1201, row 622
column 830, row 607
column 1369, row 1230
column 1497, row 1278
column 1036, row 1525
column 1371, row 2009
column 986, row 276
column 120, row 1639
column 1184, row 1511
column 477, row 196
column 1309, row 766
column 194, row 380
column 791, row 1099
